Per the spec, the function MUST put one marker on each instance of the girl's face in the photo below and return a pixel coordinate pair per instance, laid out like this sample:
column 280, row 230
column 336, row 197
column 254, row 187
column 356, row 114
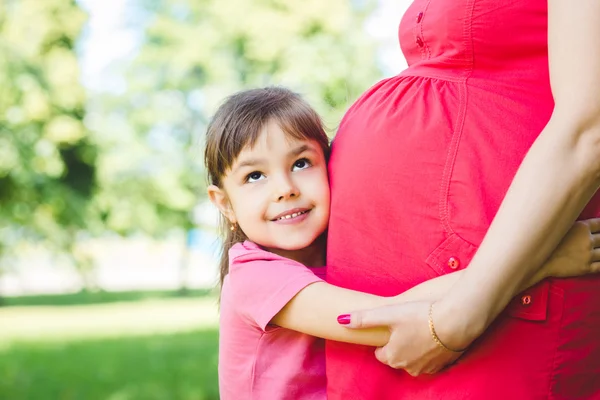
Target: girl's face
column 277, row 191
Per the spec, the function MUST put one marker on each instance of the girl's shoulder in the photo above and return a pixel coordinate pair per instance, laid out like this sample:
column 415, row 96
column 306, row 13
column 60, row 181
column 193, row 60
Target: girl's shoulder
column 246, row 251
column 245, row 246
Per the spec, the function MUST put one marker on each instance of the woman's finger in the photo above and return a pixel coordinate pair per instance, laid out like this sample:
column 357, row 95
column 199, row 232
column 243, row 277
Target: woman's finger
column 596, row 240
column 594, row 225
column 595, row 267
column 381, row 355
column 429, row 370
column 384, row 356
column 432, row 370
column 596, row 255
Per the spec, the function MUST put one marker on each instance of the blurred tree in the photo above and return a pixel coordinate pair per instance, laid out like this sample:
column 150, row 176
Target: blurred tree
column 47, row 161
column 204, row 50
column 192, row 54
column 136, row 163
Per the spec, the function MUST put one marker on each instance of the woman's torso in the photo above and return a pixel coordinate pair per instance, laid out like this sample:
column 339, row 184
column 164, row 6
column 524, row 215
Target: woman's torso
column 419, row 167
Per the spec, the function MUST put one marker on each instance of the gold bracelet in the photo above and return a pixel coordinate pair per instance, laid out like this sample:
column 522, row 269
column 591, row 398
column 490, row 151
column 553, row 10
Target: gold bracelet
column 435, row 336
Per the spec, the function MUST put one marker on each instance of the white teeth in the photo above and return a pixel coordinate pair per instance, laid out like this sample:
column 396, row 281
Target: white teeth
column 294, row 215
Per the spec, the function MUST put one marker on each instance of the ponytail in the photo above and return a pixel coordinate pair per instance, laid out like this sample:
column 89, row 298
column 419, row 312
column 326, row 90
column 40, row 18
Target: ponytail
column 230, row 237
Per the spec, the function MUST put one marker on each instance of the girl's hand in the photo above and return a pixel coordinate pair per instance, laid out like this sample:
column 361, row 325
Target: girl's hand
column 577, row 254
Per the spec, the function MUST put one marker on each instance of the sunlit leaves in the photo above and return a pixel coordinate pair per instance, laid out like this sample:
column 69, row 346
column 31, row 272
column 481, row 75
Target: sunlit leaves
column 47, row 163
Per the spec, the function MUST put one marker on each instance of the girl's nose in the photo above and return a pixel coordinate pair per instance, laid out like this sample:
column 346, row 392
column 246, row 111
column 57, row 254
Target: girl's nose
column 286, row 189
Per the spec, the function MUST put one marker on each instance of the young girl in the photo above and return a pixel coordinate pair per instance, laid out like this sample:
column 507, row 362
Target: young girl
column 266, row 156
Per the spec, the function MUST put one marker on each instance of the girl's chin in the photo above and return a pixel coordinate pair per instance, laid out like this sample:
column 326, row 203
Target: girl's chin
column 295, row 245
column 290, row 246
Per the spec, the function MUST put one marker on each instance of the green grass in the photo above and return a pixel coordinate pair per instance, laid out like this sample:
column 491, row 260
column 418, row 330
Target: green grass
column 159, row 348
column 100, row 297
column 179, row 366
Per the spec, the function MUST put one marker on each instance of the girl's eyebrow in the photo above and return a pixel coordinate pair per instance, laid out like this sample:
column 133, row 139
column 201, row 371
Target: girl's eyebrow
column 250, row 162
column 301, row 149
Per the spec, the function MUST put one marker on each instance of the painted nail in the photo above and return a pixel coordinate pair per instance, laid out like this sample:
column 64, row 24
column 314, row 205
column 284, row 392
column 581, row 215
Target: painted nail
column 343, row 319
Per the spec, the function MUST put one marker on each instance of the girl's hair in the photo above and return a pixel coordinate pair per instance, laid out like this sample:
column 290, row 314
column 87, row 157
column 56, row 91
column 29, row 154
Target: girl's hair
column 238, row 123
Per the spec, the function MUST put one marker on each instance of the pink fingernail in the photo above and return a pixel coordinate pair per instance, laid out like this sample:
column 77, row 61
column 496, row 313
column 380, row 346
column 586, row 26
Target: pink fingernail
column 343, row 319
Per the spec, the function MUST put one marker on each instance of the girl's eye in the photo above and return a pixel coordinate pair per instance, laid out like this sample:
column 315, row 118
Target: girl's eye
column 254, row 176
column 302, row 163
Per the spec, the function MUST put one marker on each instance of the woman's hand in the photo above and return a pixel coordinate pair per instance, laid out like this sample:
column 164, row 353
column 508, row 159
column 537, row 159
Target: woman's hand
column 411, row 346
column 577, row 254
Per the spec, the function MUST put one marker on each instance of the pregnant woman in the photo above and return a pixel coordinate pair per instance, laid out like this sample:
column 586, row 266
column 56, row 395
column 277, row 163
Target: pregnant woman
column 480, row 155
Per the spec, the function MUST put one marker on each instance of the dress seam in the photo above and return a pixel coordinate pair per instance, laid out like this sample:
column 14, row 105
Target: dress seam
column 421, row 29
column 432, row 76
column 555, row 358
column 459, row 127
column 451, row 160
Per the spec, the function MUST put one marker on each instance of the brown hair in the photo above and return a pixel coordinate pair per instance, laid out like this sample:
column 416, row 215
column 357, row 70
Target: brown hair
column 238, row 123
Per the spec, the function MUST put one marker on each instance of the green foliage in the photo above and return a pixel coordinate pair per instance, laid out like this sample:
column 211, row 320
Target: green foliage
column 180, row 367
column 192, row 55
column 207, row 49
column 136, row 164
column 47, row 161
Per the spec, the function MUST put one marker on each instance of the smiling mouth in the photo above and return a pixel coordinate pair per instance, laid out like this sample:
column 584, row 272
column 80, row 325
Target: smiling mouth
column 290, row 216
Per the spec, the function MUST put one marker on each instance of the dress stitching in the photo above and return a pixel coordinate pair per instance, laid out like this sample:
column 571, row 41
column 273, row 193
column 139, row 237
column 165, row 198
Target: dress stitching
column 433, row 257
column 450, row 160
column 416, row 39
column 433, row 76
column 470, row 56
column 555, row 358
column 421, row 28
column 458, row 130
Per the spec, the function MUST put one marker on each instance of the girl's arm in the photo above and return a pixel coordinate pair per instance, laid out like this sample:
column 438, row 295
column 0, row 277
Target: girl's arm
column 314, row 309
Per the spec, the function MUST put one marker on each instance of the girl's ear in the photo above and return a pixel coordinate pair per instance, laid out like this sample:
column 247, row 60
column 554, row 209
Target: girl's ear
column 219, row 198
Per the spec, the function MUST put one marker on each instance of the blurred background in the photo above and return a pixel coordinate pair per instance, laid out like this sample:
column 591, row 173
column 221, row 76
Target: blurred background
column 107, row 245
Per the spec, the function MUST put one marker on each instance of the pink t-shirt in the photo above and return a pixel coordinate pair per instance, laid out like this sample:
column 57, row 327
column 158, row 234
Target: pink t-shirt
column 258, row 360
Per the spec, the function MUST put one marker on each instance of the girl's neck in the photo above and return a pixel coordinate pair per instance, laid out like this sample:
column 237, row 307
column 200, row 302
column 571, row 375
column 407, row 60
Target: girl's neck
column 311, row 256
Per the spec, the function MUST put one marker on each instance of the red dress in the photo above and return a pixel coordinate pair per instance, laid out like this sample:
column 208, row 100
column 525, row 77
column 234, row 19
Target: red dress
column 418, row 169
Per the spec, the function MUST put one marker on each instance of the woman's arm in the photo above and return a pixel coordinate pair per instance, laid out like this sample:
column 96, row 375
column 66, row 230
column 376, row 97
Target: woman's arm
column 559, row 175
column 556, row 179
column 314, row 309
